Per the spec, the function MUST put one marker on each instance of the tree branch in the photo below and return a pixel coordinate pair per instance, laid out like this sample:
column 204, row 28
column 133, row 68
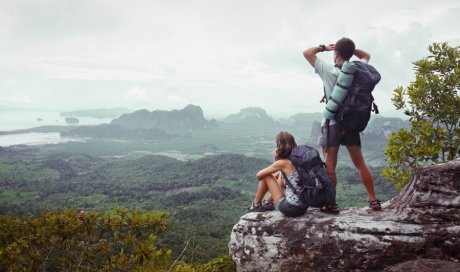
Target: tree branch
column 180, row 256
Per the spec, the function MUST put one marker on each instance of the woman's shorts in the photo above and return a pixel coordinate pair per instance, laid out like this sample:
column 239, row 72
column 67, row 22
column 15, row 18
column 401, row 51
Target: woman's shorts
column 290, row 210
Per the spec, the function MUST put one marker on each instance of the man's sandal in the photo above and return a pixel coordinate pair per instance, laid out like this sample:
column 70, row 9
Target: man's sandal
column 375, row 205
column 332, row 209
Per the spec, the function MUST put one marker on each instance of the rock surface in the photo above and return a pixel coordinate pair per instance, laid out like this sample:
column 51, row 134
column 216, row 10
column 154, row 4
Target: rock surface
column 425, row 265
column 421, row 222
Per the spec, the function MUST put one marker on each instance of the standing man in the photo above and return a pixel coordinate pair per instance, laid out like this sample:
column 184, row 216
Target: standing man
column 343, row 49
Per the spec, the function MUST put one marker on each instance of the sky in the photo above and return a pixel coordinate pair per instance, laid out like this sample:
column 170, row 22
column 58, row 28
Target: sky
column 220, row 55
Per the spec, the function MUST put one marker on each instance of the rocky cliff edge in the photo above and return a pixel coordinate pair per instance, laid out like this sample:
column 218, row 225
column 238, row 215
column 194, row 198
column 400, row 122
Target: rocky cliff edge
column 421, row 222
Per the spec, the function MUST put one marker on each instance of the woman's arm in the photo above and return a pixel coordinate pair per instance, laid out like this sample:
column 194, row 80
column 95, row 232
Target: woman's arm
column 276, row 166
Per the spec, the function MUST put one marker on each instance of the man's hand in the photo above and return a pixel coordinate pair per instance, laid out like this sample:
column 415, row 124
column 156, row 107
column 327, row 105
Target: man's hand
column 330, row 47
column 310, row 53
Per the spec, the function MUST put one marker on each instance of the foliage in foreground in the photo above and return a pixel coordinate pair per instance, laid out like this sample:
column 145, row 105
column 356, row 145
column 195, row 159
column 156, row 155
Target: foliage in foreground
column 204, row 197
column 432, row 103
column 72, row 241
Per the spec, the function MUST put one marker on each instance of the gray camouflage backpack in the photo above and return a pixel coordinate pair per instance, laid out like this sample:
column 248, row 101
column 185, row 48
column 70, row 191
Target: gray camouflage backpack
column 355, row 111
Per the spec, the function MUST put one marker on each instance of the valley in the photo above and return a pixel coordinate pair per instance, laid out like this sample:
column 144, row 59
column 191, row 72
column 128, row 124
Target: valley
column 203, row 177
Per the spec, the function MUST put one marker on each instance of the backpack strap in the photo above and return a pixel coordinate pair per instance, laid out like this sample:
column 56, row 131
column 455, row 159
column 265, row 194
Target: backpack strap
column 327, row 124
column 375, row 109
column 336, row 102
column 288, row 183
column 324, row 99
column 342, row 86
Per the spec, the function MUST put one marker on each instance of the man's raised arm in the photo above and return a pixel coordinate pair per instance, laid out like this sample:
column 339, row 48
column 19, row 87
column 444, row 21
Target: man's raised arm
column 361, row 54
column 310, row 53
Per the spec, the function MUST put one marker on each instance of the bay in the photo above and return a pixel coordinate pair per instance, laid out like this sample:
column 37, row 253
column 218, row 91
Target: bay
column 17, row 120
column 35, row 138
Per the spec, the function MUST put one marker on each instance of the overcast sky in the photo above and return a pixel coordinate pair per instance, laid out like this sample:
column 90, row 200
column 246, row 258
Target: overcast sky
column 220, row 55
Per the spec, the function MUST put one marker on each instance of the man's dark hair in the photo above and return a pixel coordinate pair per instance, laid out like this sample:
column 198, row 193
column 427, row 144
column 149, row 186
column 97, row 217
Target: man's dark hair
column 345, row 47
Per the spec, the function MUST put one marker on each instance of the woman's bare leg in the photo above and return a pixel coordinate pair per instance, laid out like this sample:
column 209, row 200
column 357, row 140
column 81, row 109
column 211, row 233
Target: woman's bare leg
column 279, row 178
column 268, row 184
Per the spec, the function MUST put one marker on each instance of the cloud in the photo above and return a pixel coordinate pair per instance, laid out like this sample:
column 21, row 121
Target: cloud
column 57, row 71
column 20, row 99
column 158, row 98
column 177, row 99
column 221, row 55
column 137, row 94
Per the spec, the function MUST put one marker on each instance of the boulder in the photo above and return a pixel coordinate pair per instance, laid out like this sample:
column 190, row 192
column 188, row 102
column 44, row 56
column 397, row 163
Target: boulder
column 422, row 221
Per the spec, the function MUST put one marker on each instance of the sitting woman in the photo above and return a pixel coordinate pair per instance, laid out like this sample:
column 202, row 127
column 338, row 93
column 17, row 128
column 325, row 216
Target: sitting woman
column 287, row 202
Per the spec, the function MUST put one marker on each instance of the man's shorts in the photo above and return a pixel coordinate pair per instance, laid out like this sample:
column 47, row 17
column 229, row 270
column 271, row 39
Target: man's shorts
column 337, row 136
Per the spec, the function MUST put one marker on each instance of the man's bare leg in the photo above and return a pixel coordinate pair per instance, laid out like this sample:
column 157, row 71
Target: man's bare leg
column 364, row 173
column 330, row 158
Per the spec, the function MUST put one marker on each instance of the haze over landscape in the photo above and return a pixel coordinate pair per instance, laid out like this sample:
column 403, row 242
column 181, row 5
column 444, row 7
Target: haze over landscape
column 131, row 133
column 220, row 55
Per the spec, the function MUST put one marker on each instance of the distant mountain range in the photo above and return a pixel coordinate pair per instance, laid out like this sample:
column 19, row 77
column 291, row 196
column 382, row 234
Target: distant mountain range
column 386, row 126
column 303, row 119
column 189, row 118
column 161, row 124
column 251, row 115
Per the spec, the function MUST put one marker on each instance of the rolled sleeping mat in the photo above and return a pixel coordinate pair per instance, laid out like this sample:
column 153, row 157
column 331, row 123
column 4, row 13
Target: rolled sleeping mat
column 339, row 92
column 338, row 95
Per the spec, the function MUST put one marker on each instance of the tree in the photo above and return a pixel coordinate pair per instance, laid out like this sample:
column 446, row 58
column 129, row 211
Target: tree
column 118, row 240
column 72, row 241
column 433, row 106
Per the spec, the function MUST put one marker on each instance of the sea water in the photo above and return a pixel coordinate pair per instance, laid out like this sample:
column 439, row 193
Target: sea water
column 18, row 120
column 34, row 138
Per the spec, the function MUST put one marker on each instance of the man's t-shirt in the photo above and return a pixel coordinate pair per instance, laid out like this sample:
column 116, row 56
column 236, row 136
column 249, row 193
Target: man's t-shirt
column 329, row 74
